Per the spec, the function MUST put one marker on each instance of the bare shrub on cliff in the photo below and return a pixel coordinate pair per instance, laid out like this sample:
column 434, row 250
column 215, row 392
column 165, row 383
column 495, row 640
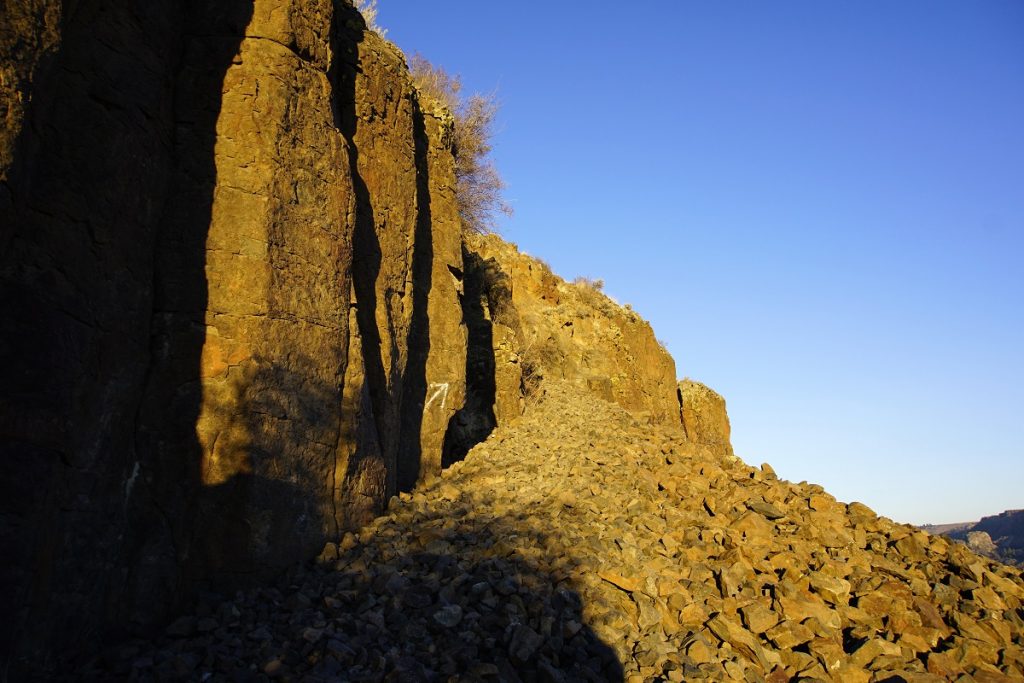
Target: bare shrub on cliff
column 530, row 380
column 368, row 8
column 478, row 185
column 589, row 282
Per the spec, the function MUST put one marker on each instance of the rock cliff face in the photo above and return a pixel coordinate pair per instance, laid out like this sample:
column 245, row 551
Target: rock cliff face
column 88, row 147
column 407, row 353
column 230, row 276
column 527, row 324
column 703, row 414
column 238, row 315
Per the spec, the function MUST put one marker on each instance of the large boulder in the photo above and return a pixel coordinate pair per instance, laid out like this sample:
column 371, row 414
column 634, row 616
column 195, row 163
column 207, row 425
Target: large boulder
column 703, row 415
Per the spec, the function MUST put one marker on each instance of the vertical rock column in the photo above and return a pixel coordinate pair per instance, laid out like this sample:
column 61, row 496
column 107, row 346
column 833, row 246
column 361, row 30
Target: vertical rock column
column 704, row 417
column 407, row 371
column 278, row 257
column 435, row 380
column 376, row 104
column 243, row 410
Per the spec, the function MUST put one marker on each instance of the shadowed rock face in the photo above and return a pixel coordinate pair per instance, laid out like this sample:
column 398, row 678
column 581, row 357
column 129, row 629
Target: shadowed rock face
column 229, row 271
column 88, row 164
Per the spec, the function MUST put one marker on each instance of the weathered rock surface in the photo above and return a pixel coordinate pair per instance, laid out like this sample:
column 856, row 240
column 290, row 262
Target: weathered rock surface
column 579, row 544
column 238, row 317
column 406, row 372
column 238, row 427
column 238, row 313
column 89, row 134
column 703, row 415
column 527, row 324
column 230, row 268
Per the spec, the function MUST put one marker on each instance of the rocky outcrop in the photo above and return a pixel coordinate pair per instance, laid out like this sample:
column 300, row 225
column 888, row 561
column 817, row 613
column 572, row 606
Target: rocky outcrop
column 230, row 269
column 238, row 313
column 1006, row 531
column 981, row 543
column 405, row 376
column 703, row 415
column 527, row 324
column 580, row 544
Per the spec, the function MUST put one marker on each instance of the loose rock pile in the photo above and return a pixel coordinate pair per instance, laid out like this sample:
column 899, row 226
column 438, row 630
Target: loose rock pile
column 578, row 544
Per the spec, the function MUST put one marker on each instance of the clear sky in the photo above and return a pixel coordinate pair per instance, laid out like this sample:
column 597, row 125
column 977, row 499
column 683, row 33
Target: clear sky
column 818, row 205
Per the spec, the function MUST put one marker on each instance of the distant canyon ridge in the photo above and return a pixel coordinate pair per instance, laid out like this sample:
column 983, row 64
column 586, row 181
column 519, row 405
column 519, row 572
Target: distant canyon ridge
column 1000, row 537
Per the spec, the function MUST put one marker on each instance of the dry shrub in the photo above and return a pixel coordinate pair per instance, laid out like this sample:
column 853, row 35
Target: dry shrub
column 478, row 185
column 530, row 380
column 595, row 284
column 368, row 8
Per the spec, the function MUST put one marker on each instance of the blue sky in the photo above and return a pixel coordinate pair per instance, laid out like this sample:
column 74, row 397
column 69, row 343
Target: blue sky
column 818, row 206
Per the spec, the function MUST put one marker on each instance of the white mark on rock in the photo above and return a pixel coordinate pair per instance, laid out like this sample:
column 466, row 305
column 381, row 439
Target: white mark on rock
column 440, row 389
column 130, row 483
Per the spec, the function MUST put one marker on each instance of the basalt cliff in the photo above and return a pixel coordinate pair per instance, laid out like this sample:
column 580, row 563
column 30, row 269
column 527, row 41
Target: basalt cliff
column 237, row 312
column 241, row 329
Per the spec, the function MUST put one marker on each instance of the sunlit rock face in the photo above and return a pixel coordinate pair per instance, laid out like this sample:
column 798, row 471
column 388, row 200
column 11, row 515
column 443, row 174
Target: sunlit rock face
column 406, row 375
column 230, row 275
column 703, row 415
column 527, row 324
column 238, row 312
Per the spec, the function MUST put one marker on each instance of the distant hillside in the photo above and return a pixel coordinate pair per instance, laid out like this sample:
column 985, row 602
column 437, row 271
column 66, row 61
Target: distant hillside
column 1000, row 537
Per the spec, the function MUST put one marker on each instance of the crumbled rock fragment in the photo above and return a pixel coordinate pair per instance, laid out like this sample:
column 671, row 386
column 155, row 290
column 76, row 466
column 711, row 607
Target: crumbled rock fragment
column 493, row 570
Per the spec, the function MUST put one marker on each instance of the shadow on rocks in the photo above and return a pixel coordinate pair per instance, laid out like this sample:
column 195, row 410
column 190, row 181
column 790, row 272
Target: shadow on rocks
column 423, row 597
column 462, row 601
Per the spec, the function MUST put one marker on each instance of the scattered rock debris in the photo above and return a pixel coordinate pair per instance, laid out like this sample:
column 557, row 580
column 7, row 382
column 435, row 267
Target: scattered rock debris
column 578, row 544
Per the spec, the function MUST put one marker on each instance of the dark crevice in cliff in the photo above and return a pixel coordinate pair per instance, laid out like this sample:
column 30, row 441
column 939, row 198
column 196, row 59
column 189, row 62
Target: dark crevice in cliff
column 475, row 420
column 414, row 378
column 366, row 267
column 679, row 398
